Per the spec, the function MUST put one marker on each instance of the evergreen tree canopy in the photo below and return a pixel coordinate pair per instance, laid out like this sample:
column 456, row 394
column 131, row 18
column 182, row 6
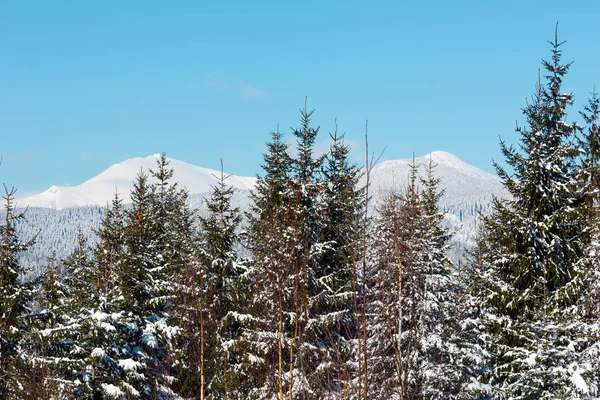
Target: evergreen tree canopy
column 15, row 296
column 530, row 274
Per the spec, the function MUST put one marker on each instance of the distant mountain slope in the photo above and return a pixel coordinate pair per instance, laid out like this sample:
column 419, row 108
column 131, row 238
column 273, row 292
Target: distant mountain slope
column 468, row 191
column 461, row 181
column 119, row 177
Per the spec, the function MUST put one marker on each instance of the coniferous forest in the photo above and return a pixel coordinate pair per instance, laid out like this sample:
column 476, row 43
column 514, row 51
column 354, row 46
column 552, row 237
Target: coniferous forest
column 316, row 292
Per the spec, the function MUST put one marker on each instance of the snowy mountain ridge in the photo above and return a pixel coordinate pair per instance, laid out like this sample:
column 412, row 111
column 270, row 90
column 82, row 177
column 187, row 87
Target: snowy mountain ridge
column 459, row 179
column 100, row 189
column 57, row 214
column 461, row 182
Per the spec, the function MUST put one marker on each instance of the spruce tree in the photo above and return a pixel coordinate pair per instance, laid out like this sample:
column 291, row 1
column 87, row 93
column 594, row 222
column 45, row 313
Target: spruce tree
column 306, row 351
column 78, row 335
column 151, row 258
column 416, row 342
column 448, row 360
column 339, row 208
column 187, row 308
column 590, row 143
column 103, row 327
column 395, row 281
column 225, row 311
column 384, row 303
column 15, row 296
column 589, row 179
column 269, row 272
column 52, row 345
column 530, row 276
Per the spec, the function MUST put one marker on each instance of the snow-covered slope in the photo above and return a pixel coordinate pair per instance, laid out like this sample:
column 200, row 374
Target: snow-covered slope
column 119, row 177
column 468, row 191
column 462, row 182
column 53, row 217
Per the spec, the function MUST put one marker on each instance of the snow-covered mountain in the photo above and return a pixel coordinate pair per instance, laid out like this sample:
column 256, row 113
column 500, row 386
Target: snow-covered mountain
column 56, row 215
column 119, row 177
column 461, row 182
column 468, row 191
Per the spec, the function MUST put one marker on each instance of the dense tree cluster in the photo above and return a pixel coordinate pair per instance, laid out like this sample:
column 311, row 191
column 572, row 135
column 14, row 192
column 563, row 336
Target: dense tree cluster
column 310, row 296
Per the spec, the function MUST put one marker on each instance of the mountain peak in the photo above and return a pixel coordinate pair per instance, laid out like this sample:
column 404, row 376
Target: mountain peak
column 458, row 178
column 119, row 178
column 440, row 156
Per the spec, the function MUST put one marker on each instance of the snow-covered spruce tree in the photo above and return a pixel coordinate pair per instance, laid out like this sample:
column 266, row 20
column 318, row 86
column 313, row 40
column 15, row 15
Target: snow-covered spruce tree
column 224, row 297
column 415, row 344
column 384, row 303
column 530, row 274
column 590, row 143
column 395, row 279
column 270, row 271
column 448, row 360
column 74, row 332
column 102, row 328
column 340, row 210
column 284, row 234
column 589, row 179
column 50, row 299
column 15, row 296
column 187, row 307
column 108, row 252
column 151, row 258
column 83, row 335
column 308, row 350
column 89, row 335
column 65, row 298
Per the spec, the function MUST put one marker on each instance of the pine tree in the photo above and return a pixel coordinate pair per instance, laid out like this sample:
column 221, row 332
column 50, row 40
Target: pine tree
column 530, row 274
column 14, row 305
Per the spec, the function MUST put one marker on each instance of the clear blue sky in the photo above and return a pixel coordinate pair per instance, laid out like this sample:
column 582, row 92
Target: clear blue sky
column 85, row 84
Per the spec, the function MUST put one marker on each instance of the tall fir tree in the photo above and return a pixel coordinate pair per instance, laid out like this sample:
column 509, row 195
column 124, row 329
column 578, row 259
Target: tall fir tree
column 340, row 209
column 304, row 227
column 103, row 327
column 270, row 271
column 589, row 178
column 448, row 360
column 416, row 345
column 151, row 258
column 530, row 275
column 52, row 335
column 225, row 295
column 15, row 296
column 395, row 281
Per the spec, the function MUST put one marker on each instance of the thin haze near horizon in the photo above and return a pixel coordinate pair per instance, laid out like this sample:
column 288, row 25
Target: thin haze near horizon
column 89, row 84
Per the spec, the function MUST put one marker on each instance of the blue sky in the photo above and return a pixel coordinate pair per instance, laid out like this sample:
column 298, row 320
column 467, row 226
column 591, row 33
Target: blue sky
column 87, row 84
